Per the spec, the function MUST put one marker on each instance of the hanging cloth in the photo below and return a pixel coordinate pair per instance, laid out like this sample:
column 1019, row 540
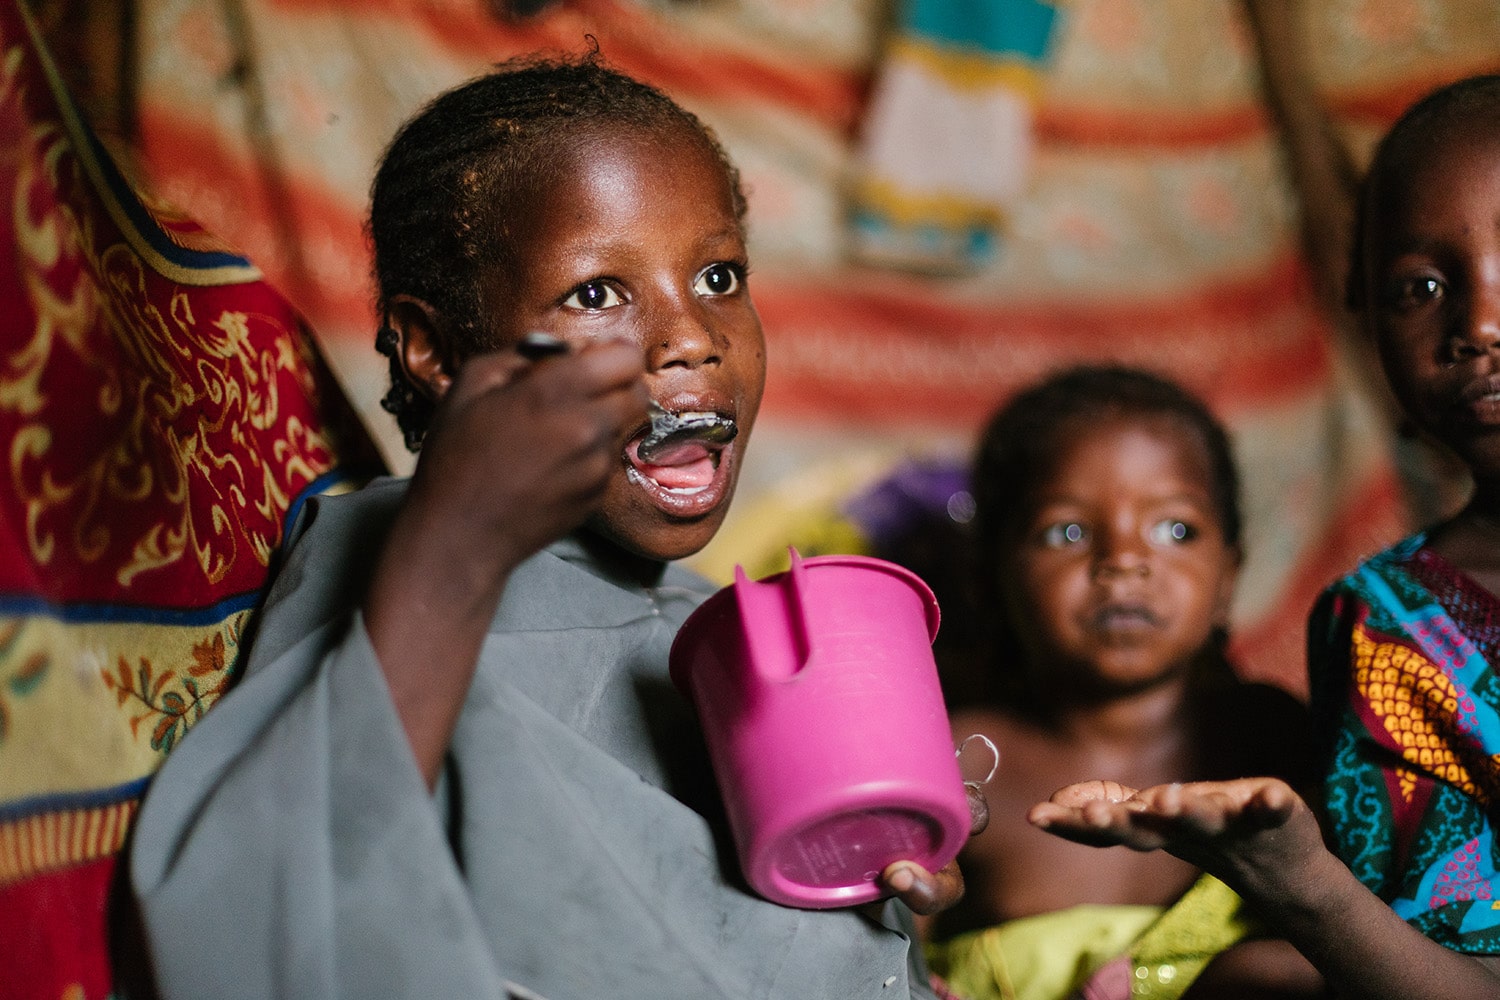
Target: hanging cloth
column 947, row 139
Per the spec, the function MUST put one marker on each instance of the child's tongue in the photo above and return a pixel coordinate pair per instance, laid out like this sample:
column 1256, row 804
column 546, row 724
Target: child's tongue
column 686, row 466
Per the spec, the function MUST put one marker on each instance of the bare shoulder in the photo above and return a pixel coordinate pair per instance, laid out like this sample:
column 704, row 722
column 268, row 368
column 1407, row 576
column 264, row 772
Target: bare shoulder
column 981, row 720
column 1252, row 729
column 1017, row 740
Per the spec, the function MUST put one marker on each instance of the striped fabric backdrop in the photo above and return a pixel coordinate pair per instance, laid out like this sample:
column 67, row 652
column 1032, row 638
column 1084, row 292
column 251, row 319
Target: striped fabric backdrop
column 1155, row 226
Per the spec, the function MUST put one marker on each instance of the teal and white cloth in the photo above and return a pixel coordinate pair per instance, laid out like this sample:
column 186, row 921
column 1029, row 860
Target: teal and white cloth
column 947, row 141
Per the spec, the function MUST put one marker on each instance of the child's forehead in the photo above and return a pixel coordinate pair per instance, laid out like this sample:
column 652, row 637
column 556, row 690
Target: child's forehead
column 1108, row 426
column 657, row 137
column 1419, row 200
column 1080, row 446
column 1440, row 151
column 659, row 150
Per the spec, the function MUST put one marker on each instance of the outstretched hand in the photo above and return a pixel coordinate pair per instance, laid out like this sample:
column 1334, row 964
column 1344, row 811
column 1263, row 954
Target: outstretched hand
column 1259, row 837
column 1217, row 825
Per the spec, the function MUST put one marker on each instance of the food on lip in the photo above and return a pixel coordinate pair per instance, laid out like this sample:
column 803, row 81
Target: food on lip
column 671, row 431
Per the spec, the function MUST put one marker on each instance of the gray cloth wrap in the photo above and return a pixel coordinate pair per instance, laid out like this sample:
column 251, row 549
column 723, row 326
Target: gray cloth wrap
column 575, row 849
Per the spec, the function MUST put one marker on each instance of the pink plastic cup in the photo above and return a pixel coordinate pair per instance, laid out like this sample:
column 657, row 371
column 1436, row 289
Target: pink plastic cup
column 825, row 723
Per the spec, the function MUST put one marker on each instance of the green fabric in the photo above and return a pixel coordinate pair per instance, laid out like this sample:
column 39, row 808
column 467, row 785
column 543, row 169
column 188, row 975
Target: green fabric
column 1052, row 956
column 1044, row 957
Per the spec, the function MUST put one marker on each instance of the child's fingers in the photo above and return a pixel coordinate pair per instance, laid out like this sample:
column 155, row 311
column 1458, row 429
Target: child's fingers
column 524, row 448
column 591, row 371
column 924, row 892
column 485, row 373
column 1167, row 801
column 607, row 366
column 1130, row 823
column 1202, row 813
column 1097, row 823
column 1271, row 804
column 1209, row 810
column 1090, row 812
column 577, row 407
column 1091, row 791
column 607, row 375
column 1045, row 815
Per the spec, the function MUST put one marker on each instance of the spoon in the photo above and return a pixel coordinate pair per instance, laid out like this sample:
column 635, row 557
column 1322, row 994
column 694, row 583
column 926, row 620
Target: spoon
column 668, row 430
column 671, row 430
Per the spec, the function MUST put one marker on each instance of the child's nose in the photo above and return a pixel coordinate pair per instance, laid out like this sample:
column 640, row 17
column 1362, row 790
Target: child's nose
column 682, row 337
column 1476, row 328
column 1121, row 551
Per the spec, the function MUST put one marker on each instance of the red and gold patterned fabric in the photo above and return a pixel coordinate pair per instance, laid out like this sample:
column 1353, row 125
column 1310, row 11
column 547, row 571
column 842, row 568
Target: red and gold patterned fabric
column 160, row 413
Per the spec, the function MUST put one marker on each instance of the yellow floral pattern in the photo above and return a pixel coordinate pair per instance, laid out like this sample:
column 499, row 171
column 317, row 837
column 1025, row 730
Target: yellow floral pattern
column 1410, row 695
column 169, row 700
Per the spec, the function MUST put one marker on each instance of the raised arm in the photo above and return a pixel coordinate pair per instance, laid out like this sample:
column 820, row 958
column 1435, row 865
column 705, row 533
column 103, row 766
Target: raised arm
column 1260, row 838
column 517, row 457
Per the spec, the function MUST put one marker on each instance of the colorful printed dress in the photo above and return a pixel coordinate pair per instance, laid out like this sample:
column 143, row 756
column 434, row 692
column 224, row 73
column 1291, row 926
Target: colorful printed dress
column 1402, row 655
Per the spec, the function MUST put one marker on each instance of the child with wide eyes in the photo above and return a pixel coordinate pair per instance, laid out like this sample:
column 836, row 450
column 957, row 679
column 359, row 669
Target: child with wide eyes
column 1402, row 652
column 455, row 766
column 1108, row 529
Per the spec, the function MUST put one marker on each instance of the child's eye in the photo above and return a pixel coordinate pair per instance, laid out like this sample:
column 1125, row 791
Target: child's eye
column 718, row 279
column 593, row 295
column 1171, row 531
column 1063, row 534
column 1411, row 293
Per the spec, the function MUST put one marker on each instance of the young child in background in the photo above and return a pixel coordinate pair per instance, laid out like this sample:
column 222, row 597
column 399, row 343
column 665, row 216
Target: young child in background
column 1108, row 532
column 1403, row 650
column 455, row 766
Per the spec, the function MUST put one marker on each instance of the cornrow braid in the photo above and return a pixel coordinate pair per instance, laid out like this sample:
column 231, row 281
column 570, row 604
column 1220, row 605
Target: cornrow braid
column 450, row 175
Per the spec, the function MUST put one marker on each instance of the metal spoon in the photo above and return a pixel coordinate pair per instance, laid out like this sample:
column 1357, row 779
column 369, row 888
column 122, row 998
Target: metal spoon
column 670, row 430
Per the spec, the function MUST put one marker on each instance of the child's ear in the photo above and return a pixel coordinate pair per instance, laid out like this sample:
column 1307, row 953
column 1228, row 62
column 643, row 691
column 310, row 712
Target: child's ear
column 420, row 345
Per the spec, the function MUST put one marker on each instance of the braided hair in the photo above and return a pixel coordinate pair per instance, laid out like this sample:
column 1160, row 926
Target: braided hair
column 1468, row 107
column 450, row 175
column 1017, row 453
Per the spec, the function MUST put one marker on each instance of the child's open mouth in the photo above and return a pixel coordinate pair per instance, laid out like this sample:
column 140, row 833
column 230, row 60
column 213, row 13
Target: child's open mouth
column 682, row 467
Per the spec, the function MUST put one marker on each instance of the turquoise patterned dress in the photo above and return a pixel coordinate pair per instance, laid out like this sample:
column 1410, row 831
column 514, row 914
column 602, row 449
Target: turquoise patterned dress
column 1402, row 655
